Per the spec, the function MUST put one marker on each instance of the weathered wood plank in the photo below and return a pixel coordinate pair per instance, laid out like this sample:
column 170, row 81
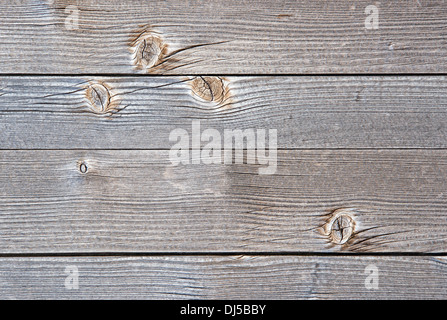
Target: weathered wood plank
column 137, row 201
column 308, row 112
column 232, row 277
column 215, row 37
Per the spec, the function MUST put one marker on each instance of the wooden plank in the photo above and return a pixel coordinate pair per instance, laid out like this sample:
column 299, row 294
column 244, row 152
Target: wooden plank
column 215, row 37
column 137, row 201
column 230, row 277
column 308, row 112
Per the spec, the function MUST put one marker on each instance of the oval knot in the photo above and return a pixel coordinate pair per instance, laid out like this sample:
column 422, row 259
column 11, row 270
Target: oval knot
column 340, row 227
column 210, row 89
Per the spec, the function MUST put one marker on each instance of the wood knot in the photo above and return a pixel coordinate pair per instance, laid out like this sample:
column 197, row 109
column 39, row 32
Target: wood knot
column 101, row 99
column 210, row 89
column 340, row 226
column 148, row 50
column 83, row 168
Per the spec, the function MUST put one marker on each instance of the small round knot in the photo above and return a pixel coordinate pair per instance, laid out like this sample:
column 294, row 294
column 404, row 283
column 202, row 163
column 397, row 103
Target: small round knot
column 148, row 50
column 100, row 98
column 340, row 226
column 210, row 89
column 83, row 167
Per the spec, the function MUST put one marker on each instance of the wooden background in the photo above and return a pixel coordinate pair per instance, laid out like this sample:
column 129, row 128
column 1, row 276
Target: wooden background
column 85, row 176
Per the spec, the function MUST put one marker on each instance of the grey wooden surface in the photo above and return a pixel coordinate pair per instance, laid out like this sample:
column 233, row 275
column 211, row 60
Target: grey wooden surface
column 137, row 201
column 230, row 277
column 216, row 37
column 308, row 112
column 362, row 160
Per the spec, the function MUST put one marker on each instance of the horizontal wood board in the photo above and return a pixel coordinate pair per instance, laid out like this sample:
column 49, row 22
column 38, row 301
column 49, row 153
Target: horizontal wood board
column 229, row 277
column 307, row 112
column 230, row 37
column 137, row 201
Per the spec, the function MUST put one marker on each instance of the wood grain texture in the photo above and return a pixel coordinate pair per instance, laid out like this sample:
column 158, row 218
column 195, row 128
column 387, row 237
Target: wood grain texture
column 231, row 37
column 84, row 149
column 137, row 201
column 230, row 277
column 308, row 112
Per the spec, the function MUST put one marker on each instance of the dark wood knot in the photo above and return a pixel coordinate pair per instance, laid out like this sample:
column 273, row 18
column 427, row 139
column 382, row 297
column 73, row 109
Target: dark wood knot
column 101, row 99
column 83, row 168
column 340, row 226
column 210, row 89
column 148, row 50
